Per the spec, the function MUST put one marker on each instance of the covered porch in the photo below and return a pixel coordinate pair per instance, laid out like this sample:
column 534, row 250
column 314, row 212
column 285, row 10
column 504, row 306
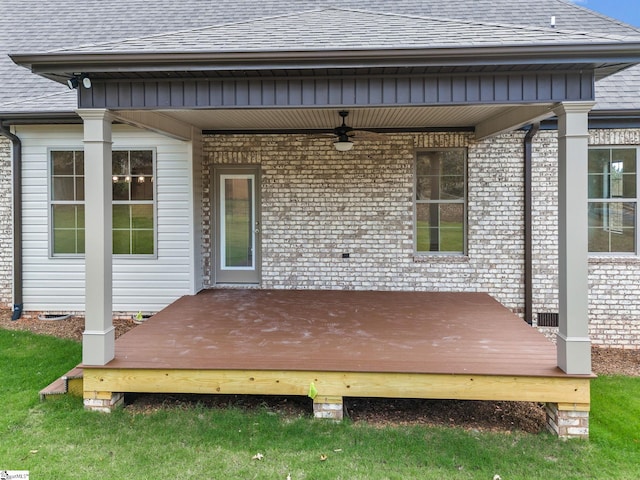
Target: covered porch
column 334, row 344
column 283, row 82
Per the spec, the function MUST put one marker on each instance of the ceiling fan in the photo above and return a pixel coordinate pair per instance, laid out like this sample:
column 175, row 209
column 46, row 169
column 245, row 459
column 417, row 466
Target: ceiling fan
column 343, row 134
column 343, row 141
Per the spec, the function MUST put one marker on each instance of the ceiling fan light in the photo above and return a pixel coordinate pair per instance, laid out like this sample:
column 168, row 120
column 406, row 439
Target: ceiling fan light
column 343, row 146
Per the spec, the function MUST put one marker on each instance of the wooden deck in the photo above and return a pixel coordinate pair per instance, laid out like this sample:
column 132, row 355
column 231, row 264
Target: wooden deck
column 347, row 343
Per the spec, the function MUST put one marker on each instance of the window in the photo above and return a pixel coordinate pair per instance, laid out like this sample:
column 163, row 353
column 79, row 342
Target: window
column 440, row 218
column 133, row 202
column 133, row 219
column 612, row 200
column 67, row 201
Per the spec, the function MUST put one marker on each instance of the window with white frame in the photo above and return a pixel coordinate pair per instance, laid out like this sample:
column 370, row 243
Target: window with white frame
column 133, row 202
column 440, row 201
column 613, row 212
column 67, row 202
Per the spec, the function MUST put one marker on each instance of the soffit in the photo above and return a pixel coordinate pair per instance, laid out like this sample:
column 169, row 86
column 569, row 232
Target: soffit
column 375, row 119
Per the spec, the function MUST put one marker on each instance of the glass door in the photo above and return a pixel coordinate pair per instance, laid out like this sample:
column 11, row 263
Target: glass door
column 238, row 226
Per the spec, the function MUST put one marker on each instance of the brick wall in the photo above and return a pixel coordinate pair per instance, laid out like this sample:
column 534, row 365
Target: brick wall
column 614, row 296
column 544, row 216
column 614, row 293
column 6, row 228
column 318, row 204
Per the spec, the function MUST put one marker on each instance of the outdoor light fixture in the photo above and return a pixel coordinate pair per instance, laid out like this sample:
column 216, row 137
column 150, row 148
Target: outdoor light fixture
column 343, row 144
column 74, row 82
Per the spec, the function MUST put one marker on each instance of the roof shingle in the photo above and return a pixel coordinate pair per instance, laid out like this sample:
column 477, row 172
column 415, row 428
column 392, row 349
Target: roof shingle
column 37, row 26
column 344, row 29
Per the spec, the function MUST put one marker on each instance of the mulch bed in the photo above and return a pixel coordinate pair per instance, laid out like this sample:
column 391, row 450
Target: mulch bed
column 471, row 415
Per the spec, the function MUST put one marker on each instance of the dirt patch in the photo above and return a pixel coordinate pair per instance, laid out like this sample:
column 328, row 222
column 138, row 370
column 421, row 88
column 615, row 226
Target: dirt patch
column 70, row 328
column 471, row 415
column 615, row 361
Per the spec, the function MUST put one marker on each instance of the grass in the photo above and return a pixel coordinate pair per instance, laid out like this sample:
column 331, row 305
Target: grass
column 58, row 439
column 238, row 240
column 451, row 237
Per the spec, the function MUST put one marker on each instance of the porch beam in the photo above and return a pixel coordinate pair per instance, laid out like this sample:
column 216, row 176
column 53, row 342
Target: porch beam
column 514, row 118
column 155, row 122
column 98, row 341
column 573, row 343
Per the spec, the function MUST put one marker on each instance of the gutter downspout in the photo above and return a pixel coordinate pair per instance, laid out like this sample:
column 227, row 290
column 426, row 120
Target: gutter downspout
column 528, row 223
column 16, row 167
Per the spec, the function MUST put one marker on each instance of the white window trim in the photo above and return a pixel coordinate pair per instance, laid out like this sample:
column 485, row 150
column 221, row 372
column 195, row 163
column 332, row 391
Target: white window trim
column 146, row 256
column 50, row 203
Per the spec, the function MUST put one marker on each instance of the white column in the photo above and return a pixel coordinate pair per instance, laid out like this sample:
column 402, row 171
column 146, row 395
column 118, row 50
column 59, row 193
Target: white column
column 574, row 345
column 98, row 341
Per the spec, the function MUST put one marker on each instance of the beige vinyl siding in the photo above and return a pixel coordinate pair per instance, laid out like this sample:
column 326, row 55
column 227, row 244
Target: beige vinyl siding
column 139, row 283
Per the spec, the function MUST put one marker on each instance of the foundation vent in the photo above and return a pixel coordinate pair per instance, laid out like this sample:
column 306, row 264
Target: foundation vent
column 547, row 319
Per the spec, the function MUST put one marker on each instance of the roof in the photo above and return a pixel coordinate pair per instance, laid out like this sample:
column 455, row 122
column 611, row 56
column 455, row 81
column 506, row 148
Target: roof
column 36, row 26
column 620, row 91
column 346, row 29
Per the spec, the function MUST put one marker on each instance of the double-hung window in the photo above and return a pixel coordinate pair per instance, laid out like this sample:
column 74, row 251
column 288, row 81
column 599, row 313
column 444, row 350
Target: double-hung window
column 67, row 202
column 133, row 206
column 440, row 201
column 613, row 204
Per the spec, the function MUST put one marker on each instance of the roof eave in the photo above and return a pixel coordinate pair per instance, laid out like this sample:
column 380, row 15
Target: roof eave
column 36, row 117
column 59, row 66
column 615, row 113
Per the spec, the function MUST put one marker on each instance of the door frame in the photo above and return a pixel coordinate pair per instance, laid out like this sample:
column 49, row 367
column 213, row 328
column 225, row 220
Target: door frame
column 241, row 276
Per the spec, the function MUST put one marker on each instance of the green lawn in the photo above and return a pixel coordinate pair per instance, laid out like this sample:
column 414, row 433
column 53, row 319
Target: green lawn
column 58, row 439
column 451, row 237
column 238, row 236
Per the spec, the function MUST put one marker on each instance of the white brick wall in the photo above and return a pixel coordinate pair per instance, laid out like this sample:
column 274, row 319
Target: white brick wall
column 6, row 227
column 545, row 222
column 318, row 204
column 614, row 296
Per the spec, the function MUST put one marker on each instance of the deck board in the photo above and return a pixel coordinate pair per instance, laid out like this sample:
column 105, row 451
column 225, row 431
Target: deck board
column 338, row 331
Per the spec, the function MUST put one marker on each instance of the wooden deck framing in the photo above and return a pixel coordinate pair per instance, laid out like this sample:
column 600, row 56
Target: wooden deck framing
column 345, row 343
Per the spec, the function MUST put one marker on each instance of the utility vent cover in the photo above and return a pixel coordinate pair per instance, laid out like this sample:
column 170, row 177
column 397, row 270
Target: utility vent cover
column 547, row 319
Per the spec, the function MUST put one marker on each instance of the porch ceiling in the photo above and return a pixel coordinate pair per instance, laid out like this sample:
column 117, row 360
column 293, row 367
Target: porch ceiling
column 372, row 118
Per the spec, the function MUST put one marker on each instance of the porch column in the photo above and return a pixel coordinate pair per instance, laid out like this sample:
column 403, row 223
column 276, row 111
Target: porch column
column 98, row 341
column 574, row 345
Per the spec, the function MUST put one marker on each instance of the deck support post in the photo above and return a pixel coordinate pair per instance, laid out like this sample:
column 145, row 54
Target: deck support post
column 568, row 421
column 573, row 343
column 330, row 408
column 98, row 341
column 103, row 402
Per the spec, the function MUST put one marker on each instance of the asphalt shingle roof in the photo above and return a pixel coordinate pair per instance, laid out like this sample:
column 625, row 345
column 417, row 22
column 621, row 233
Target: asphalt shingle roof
column 344, row 29
column 620, row 91
column 38, row 26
